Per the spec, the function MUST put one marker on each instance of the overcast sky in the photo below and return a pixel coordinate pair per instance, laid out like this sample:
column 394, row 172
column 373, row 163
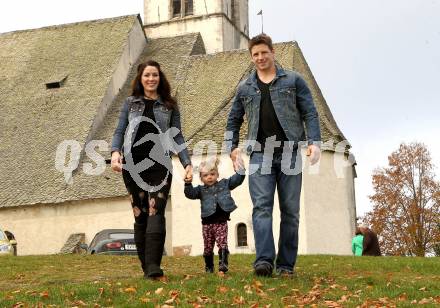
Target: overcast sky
column 377, row 62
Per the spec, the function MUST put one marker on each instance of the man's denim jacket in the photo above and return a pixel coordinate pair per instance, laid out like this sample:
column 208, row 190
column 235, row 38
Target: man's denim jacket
column 293, row 104
column 131, row 116
column 218, row 193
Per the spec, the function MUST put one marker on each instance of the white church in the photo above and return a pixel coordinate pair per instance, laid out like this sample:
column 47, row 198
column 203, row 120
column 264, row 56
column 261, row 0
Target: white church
column 62, row 83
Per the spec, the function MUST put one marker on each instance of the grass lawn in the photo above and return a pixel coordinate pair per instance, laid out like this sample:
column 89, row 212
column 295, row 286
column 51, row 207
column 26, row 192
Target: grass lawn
column 116, row 281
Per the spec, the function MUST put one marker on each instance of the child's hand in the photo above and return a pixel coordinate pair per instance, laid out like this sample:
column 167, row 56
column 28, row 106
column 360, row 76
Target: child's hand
column 237, row 160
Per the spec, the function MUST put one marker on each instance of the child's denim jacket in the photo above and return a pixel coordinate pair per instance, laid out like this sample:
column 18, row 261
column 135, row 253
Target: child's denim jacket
column 218, row 193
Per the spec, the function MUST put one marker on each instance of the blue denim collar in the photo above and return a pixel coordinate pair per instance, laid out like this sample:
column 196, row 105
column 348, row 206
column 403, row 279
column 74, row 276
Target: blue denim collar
column 138, row 99
column 252, row 80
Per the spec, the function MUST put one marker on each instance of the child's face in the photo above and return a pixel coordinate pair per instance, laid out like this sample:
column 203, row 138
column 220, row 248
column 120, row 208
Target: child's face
column 208, row 177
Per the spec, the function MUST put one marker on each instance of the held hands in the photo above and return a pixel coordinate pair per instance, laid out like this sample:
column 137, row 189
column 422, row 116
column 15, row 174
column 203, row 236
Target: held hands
column 314, row 153
column 188, row 174
column 116, row 162
column 237, row 159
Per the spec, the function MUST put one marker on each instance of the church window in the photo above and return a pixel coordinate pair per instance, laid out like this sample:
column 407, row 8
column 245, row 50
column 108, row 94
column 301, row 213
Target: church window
column 177, row 8
column 188, row 7
column 241, row 235
column 182, row 8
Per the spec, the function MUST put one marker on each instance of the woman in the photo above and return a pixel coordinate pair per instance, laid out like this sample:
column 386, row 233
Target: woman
column 143, row 135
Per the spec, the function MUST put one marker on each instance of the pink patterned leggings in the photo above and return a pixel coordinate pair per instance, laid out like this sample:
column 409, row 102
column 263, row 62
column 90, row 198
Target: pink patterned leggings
column 215, row 233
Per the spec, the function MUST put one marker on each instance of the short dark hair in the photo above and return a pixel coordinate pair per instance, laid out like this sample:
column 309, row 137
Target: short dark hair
column 164, row 88
column 261, row 39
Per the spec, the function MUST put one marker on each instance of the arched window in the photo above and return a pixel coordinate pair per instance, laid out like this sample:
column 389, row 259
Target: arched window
column 241, row 235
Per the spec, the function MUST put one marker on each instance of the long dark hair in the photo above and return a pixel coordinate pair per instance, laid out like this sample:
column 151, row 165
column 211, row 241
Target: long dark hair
column 164, row 88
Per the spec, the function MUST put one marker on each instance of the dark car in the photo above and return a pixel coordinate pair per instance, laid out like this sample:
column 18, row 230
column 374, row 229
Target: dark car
column 112, row 241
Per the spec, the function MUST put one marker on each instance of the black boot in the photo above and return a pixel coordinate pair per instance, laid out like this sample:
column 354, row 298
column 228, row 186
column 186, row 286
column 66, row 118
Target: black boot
column 139, row 239
column 223, row 260
column 154, row 242
column 209, row 263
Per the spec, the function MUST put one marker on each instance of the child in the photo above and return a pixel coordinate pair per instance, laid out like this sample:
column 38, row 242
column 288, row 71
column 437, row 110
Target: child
column 216, row 204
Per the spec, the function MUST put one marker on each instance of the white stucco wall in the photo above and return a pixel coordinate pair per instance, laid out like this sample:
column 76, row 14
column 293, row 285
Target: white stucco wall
column 44, row 228
column 160, row 10
column 210, row 28
column 327, row 209
column 327, row 214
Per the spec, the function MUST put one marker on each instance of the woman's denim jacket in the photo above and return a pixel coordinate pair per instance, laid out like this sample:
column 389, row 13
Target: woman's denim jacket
column 166, row 119
column 293, row 104
column 219, row 193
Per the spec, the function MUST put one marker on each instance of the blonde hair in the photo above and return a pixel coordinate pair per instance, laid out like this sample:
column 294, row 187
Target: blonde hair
column 209, row 165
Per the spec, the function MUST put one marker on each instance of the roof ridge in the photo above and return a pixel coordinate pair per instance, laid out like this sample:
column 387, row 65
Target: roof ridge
column 101, row 20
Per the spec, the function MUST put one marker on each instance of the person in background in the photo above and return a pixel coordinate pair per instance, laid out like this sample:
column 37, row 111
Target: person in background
column 357, row 243
column 370, row 243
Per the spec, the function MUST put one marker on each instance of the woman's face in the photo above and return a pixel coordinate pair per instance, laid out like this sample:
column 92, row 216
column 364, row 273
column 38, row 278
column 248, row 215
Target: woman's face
column 150, row 79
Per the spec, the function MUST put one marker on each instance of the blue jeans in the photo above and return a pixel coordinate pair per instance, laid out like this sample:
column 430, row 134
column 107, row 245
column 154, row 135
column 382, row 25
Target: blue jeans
column 284, row 174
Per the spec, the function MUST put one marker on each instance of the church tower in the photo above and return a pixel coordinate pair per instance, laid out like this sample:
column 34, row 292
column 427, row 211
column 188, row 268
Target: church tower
column 223, row 24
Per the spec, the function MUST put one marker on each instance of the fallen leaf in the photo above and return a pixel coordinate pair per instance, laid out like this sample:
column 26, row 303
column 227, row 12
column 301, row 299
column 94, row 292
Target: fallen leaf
column 221, row 274
column 163, row 279
column 18, row 305
column 422, row 289
column 203, row 299
column 424, row 301
column 257, row 284
column 170, row 301
column 145, row 300
column 101, row 291
column 239, row 300
column 343, row 299
column 44, row 294
column 158, row 291
column 16, row 291
column 79, row 303
column 166, row 306
column 332, row 304
column 174, row 293
column 223, row 289
column 130, row 290
column 271, row 289
column 315, row 265
column 403, row 297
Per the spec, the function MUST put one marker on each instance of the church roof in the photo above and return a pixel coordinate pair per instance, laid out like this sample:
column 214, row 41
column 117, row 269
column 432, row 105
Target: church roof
column 81, row 57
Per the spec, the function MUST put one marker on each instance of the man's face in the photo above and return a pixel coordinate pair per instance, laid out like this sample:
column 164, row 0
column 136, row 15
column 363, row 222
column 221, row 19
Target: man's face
column 263, row 57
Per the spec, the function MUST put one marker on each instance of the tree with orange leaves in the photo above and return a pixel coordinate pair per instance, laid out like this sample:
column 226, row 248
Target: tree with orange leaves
column 406, row 203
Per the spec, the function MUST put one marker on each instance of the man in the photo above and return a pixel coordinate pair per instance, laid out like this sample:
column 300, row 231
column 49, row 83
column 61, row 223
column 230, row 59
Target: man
column 277, row 104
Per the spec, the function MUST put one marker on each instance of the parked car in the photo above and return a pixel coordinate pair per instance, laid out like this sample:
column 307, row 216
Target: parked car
column 8, row 244
column 112, row 241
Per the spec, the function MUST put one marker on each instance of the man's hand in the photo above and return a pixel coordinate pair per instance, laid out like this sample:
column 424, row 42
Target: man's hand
column 116, row 161
column 237, row 160
column 314, row 153
column 188, row 174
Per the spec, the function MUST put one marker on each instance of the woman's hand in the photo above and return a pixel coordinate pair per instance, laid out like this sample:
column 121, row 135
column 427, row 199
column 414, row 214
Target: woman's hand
column 116, row 161
column 188, row 174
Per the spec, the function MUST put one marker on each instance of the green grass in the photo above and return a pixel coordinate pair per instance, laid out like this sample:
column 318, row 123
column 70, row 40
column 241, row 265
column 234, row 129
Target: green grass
column 116, row 281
